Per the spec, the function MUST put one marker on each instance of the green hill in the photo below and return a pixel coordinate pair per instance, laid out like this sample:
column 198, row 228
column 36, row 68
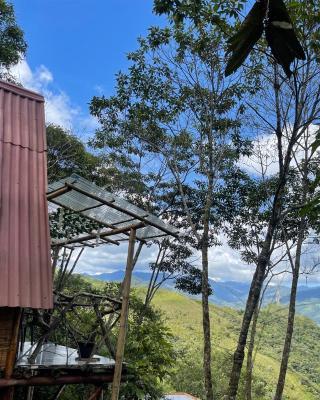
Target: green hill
column 183, row 316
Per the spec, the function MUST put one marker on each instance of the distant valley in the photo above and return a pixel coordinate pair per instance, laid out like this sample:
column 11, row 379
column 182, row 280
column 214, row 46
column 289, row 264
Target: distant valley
column 234, row 294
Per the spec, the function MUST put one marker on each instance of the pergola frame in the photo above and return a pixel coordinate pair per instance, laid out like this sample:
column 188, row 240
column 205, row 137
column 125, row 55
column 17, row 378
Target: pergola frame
column 128, row 230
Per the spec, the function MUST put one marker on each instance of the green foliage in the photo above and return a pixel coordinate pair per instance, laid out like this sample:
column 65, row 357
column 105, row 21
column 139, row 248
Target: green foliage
column 183, row 317
column 67, row 155
column 191, row 282
column 12, row 44
column 173, row 108
column 199, row 10
column 66, row 224
column 149, row 352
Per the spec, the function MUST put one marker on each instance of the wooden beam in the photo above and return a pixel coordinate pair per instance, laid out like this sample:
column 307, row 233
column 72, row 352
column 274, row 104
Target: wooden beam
column 112, row 232
column 123, row 318
column 59, row 380
column 58, row 192
column 89, row 208
column 12, row 352
column 93, row 219
column 129, row 219
column 8, row 393
column 97, row 392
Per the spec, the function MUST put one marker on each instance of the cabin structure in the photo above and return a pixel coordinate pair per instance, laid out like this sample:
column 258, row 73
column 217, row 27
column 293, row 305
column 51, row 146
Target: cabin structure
column 25, row 265
column 32, row 305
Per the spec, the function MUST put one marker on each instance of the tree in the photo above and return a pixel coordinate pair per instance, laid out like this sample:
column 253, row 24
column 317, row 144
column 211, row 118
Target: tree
column 246, row 234
column 175, row 109
column 301, row 190
column 67, row 154
column 292, row 107
column 173, row 262
column 12, row 43
column 149, row 352
column 149, row 348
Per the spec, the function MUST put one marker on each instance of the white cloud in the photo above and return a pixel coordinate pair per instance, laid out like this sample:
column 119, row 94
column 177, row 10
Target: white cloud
column 107, row 258
column 59, row 108
column 224, row 262
column 264, row 159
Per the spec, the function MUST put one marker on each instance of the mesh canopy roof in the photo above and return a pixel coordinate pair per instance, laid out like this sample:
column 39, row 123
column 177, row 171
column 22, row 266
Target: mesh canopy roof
column 106, row 208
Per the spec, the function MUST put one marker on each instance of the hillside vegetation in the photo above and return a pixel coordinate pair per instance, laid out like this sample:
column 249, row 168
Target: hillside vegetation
column 234, row 294
column 183, row 316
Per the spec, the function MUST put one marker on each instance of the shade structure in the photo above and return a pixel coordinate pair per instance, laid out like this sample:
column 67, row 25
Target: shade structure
column 82, row 196
column 25, row 265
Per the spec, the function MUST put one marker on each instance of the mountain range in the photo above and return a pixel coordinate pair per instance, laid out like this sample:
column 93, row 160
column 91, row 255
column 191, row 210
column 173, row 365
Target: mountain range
column 234, row 294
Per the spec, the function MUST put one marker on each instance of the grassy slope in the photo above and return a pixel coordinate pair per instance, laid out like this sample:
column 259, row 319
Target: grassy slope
column 184, row 318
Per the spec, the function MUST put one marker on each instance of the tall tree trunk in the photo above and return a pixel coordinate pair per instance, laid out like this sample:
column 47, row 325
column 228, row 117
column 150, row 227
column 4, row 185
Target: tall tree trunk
column 264, row 256
column 288, row 339
column 291, row 313
column 204, row 241
column 252, row 302
column 248, row 387
column 206, row 325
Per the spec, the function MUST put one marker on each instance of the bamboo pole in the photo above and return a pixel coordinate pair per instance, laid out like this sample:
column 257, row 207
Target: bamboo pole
column 123, row 318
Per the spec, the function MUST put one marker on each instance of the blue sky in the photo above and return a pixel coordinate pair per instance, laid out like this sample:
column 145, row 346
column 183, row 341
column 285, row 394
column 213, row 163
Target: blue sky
column 75, row 48
column 83, row 43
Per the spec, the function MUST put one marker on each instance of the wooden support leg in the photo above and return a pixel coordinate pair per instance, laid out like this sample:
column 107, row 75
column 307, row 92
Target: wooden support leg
column 96, row 394
column 7, row 394
column 123, row 318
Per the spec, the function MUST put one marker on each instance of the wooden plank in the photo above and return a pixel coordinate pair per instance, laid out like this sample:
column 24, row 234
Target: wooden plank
column 12, row 351
column 112, row 232
column 15, row 315
column 58, row 192
column 59, row 380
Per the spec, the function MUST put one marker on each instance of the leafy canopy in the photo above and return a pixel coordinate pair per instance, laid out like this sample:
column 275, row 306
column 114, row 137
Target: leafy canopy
column 12, row 43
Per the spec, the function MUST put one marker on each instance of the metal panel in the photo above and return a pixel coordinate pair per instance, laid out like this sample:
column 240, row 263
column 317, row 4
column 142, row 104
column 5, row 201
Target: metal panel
column 25, row 266
column 118, row 213
column 55, row 356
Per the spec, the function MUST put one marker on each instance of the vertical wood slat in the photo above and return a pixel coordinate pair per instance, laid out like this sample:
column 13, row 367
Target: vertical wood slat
column 6, row 324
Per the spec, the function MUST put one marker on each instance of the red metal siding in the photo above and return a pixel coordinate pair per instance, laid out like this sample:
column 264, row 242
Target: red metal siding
column 25, row 266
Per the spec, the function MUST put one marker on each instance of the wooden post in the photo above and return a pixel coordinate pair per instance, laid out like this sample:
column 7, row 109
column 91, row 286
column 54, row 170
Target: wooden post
column 7, row 394
column 96, row 393
column 12, row 351
column 123, row 318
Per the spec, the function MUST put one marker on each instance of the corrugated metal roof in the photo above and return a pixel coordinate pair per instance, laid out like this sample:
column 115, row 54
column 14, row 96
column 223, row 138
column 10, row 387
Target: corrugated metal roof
column 25, row 266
